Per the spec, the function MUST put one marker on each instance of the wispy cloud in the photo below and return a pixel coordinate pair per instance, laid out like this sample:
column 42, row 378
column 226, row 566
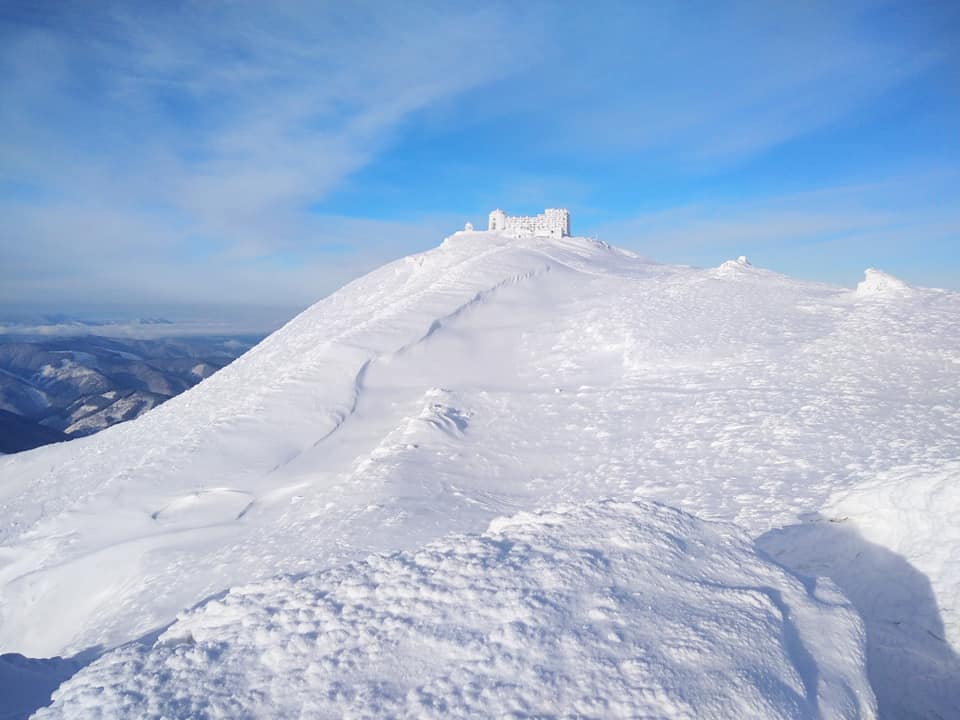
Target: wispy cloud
column 133, row 133
column 192, row 151
column 721, row 82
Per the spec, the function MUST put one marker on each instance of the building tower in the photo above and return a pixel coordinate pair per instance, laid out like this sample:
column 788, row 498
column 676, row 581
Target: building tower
column 557, row 221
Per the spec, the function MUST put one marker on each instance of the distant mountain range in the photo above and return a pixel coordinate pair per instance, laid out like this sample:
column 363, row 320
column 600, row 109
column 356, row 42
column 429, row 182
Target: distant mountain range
column 53, row 319
column 54, row 389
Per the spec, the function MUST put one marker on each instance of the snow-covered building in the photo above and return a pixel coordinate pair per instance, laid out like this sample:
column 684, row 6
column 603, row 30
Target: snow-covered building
column 553, row 222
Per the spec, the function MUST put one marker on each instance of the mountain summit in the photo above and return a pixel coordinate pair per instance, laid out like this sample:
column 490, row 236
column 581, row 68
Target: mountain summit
column 492, row 376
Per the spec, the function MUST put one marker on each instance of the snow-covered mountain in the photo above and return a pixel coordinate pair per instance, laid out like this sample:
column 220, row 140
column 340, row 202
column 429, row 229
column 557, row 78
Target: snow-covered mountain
column 494, row 376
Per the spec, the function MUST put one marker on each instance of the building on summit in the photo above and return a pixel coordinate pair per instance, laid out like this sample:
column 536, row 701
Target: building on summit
column 553, row 222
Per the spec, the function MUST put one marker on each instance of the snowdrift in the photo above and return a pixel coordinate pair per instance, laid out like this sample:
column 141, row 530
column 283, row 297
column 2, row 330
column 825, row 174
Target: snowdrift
column 878, row 284
column 892, row 545
column 608, row 610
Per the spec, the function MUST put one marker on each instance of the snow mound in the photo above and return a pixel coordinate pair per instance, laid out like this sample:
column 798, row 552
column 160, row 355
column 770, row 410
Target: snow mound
column 733, row 267
column 877, row 283
column 610, row 609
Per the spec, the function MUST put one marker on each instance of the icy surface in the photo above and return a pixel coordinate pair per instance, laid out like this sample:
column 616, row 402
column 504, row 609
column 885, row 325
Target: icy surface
column 489, row 376
column 608, row 610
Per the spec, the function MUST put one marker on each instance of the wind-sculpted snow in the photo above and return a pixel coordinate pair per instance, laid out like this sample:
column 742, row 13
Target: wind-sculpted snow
column 608, row 610
column 490, row 376
column 877, row 283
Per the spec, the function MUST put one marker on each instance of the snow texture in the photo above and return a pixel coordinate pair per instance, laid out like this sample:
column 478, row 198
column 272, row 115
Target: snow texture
column 490, row 376
column 609, row 610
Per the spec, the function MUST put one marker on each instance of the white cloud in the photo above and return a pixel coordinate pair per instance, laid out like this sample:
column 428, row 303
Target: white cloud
column 134, row 132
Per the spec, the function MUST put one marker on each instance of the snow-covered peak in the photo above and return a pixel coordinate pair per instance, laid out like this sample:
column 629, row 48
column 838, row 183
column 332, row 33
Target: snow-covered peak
column 626, row 609
column 877, row 283
column 484, row 377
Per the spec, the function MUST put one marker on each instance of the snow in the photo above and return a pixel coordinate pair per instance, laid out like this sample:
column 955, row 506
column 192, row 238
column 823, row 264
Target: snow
column 892, row 544
column 20, row 397
column 28, row 683
column 894, row 511
column 733, row 268
column 490, row 376
column 86, row 380
column 613, row 609
column 877, row 283
column 92, row 418
column 203, row 370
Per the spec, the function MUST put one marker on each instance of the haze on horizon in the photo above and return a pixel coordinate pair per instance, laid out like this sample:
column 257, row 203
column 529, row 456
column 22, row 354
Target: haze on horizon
column 233, row 154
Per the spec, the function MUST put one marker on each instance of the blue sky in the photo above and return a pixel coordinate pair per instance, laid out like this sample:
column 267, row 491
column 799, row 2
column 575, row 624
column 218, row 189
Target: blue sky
column 240, row 155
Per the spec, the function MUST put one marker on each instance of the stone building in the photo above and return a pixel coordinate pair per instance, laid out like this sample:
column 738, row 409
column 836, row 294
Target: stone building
column 553, row 222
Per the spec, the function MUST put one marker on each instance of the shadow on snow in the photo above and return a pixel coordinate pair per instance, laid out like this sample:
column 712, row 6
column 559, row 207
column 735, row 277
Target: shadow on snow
column 28, row 684
column 912, row 668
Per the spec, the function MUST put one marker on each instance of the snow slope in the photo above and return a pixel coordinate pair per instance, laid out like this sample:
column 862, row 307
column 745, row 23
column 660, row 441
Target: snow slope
column 607, row 610
column 485, row 377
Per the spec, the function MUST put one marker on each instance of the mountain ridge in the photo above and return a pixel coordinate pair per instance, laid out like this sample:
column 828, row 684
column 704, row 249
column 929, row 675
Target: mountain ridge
column 481, row 378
